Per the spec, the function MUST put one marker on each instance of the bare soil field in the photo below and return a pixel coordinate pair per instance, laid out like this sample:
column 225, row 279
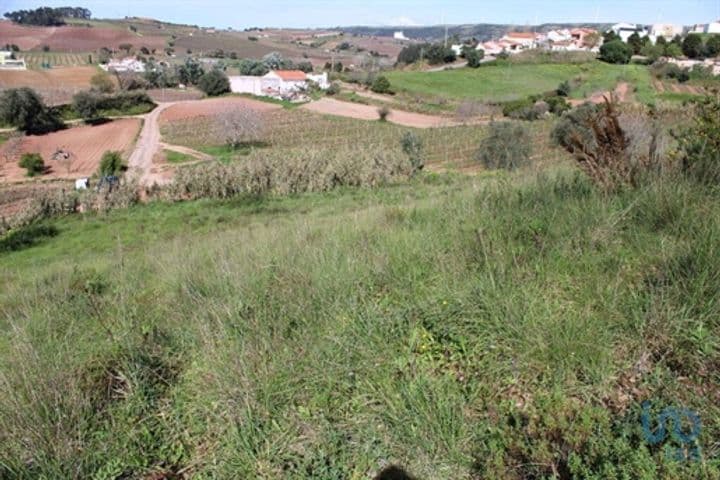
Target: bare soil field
column 329, row 106
column 57, row 86
column 205, row 108
column 73, row 38
column 86, row 145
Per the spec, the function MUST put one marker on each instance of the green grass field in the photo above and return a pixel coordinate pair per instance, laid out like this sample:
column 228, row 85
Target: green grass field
column 507, row 81
column 502, row 327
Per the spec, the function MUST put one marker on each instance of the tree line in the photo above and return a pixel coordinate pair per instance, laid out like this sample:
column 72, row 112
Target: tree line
column 47, row 16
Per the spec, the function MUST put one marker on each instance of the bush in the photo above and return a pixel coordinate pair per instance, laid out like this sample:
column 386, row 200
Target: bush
column 412, row 147
column 692, row 46
column 383, row 113
column 24, row 109
column 102, row 83
column 564, row 89
column 33, row 163
column 604, row 150
column 110, row 164
column 617, row 52
column 87, row 105
column 214, row 83
column 334, row 89
column 381, row 85
column 508, row 146
column 474, row 57
column 699, row 144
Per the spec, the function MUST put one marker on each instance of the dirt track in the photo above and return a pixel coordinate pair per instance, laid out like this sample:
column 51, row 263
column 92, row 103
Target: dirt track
column 330, row 106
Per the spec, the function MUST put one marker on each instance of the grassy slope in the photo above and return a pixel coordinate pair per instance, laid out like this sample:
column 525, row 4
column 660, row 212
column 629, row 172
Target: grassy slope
column 510, row 81
column 488, row 327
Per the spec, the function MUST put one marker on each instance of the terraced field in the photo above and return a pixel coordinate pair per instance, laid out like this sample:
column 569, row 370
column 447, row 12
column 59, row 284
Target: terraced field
column 40, row 60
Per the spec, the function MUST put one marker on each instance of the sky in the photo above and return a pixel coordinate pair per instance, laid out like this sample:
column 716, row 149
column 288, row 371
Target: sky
column 331, row 13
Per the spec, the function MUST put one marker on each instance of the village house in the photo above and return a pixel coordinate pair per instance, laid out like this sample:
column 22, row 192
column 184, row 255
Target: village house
column 518, row 41
column 128, row 64
column 713, row 27
column 400, row 36
column 7, row 62
column 626, row 30
column 665, row 30
column 278, row 83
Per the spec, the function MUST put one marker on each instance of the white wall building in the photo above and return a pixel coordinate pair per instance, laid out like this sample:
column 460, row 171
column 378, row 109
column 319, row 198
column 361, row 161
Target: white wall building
column 128, row 64
column 7, row 62
column 278, row 83
column 713, row 27
column 400, row 36
column 625, row 30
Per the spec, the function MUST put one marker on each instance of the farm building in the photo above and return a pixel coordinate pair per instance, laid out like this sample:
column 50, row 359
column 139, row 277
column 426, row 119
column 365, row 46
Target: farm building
column 666, row 30
column 128, row 64
column 8, row 62
column 625, row 30
column 520, row 40
column 278, row 83
column 713, row 27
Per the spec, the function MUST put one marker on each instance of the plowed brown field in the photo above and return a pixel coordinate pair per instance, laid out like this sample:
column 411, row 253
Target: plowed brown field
column 204, row 108
column 86, row 145
column 57, row 86
column 73, row 38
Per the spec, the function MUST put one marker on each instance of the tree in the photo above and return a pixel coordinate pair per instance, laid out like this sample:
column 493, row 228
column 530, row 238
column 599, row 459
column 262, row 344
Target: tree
column 102, row 83
column 438, row 53
column 24, row 109
column 190, row 72
column 592, row 40
column 110, row 164
column 44, row 17
column 214, row 83
column 412, row 53
column 692, row 46
column 125, row 46
column 652, row 52
column 616, row 52
column 673, row 51
column 87, row 105
column 33, row 163
column 306, row 67
column 564, row 89
column 255, row 68
column 635, row 42
column 610, row 36
column 712, row 48
column 474, row 57
column 381, row 85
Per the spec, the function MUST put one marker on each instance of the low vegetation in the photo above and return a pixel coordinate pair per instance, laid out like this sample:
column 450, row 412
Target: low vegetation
column 33, row 163
column 508, row 147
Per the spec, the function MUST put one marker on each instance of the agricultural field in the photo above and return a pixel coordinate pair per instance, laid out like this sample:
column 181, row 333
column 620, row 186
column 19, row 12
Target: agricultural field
column 43, row 60
column 84, row 144
column 299, row 130
column 56, row 85
column 507, row 81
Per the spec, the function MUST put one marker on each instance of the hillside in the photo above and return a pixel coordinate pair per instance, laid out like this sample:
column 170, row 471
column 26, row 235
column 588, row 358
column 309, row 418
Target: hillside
column 482, row 31
column 498, row 327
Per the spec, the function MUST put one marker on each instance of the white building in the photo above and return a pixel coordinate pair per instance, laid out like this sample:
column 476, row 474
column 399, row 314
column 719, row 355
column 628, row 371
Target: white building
column 128, row 64
column 520, row 40
column 625, row 30
column 400, row 36
column 713, row 27
column 666, row 30
column 458, row 49
column 7, row 62
column 278, row 83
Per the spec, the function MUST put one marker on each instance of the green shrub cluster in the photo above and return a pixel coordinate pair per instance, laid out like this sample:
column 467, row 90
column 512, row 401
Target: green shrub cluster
column 536, row 107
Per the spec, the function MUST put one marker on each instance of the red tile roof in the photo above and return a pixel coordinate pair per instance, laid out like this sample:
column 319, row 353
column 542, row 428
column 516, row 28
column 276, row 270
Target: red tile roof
column 290, row 75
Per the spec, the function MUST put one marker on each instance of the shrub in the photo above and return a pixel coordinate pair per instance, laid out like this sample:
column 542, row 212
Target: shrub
column 699, row 143
column 507, row 146
column 604, row 150
column 334, row 89
column 616, row 51
column 383, row 113
column 381, row 85
column 412, row 147
column 111, row 164
column 102, row 83
column 564, row 89
column 214, row 83
column 86, row 104
column 33, row 163
column 24, row 109
column 473, row 57
column 692, row 46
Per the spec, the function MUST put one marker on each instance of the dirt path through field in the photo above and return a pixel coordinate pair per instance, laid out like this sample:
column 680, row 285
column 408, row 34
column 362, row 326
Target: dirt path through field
column 148, row 144
column 328, row 106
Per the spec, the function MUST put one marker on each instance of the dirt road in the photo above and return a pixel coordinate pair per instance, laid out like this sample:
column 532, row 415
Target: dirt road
column 328, row 106
column 147, row 146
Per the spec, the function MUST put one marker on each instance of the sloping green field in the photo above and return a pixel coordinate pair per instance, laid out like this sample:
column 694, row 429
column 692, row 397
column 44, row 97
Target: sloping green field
column 502, row 82
column 501, row 327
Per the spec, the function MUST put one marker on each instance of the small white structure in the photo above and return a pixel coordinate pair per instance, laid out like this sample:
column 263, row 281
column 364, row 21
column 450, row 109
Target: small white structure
column 458, row 49
column 626, row 30
column 128, row 64
column 278, row 83
column 7, row 62
column 400, row 36
column 82, row 184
